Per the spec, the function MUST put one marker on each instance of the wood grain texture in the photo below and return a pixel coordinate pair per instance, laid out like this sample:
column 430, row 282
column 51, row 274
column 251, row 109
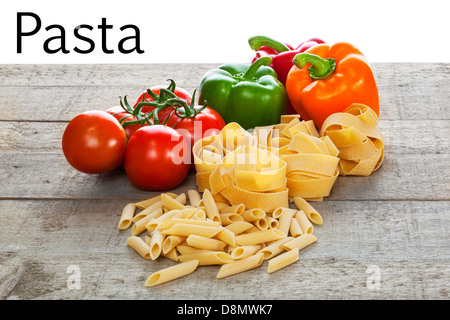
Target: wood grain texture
column 53, row 217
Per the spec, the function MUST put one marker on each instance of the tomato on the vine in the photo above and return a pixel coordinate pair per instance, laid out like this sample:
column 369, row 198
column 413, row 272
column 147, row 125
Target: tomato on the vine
column 121, row 115
column 155, row 158
column 94, row 142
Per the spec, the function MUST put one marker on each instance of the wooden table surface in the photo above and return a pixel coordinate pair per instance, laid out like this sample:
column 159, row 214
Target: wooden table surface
column 385, row 236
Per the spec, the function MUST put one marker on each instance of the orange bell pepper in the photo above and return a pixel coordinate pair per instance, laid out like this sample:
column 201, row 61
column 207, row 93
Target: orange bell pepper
column 327, row 79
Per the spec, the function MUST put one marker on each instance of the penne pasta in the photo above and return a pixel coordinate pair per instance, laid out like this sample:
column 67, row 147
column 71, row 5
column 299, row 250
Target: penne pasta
column 226, row 236
column 127, row 216
column 210, row 206
column 184, row 229
column 149, row 210
column 285, row 220
column 241, row 265
column 139, row 246
column 274, row 248
column 148, row 202
column 153, row 223
column 239, row 227
column 300, row 242
column 253, row 214
column 200, row 242
column 170, row 203
column 171, row 273
column 230, row 217
column 172, row 255
column 310, row 212
column 156, row 244
column 238, row 208
column 207, row 257
column 283, row 260
column 194, row 197
column 272, row 223
column 185, row 249
column 170, row 242
column 294, row 229
column 304, row 222
column 261, row 224
column 259, row 237
column 140, row 225
column 244, row 251
column 173, row 221
column 278, row 212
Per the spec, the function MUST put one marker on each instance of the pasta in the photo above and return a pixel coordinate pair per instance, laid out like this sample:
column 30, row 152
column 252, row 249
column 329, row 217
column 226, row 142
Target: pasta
column 171, row 273
column 242, row 265
column 300, row 242
column 200, row 242
column 354, row 133
column 243, row 217
column 139, row 246
column 310, row 212
column 283, row 260
column 207, row 258
column 259, row 237
column 127, row 216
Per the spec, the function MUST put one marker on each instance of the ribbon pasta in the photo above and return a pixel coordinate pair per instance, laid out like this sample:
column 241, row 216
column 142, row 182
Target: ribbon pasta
column 266, row 168
column 360, row 144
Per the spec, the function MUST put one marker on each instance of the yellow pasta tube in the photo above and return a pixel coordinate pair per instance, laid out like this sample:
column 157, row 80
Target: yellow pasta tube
column 170, row 242
column 241, row 265
column 274, row 248
column 272, row 223
column 242, row 252
column 259, row 237
column 285, row 221
column 172, row 255
column 140, row 225
column 300, row 242
column 229, row 218
column 127, row 216
column 310, row 212
column 194, row 197
column 171, row 273
column 173, row 221
column 253, row 214
column 295, row 229
column 200, row 242
column 239, row 209
column 148, row 210
column 210, row 206
column 304, row 222
column 239, row 227
column 207, row 258
column 156, row 244
column 226, row 236
column 170, row 203
column 146, row 203
column 139, row 246
column 153, row 223
column 283, row 260
column 184, row 229
column 261, row 224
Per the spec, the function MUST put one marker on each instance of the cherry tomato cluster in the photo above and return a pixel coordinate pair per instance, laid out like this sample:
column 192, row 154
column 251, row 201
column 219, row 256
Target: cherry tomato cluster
column 152, row 140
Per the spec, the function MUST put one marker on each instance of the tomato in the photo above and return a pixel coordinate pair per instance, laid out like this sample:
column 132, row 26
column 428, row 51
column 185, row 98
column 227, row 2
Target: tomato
column 155, row 158
column 207, row 122
column 94, row 142
column 119, row 113
column 162, row 115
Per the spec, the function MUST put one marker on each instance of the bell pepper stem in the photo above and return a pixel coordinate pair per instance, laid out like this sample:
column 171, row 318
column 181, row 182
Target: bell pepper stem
column 320, row 68
column 257, row 42
column 254, row 67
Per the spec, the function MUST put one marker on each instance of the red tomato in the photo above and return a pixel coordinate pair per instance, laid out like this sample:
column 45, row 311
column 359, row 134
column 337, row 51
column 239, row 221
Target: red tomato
column 119, row 114
column 162, row 115
column 208, row 122
column 94, row 142
column 155, row 158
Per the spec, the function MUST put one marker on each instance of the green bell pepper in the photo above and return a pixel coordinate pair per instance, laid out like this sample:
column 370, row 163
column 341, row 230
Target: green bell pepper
column 249, row 94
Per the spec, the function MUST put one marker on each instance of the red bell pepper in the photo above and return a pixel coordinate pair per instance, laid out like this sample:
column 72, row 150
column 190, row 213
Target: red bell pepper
column 282, row 55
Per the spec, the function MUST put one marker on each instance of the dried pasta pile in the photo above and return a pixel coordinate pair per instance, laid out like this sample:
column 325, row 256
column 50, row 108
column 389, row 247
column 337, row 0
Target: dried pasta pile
column 360, row 144
column 248, row 181
column 206, row 231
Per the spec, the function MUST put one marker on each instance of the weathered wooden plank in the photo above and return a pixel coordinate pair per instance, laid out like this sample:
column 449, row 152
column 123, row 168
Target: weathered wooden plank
column 407, row 242
column 59, row 92
column 402, row 176
column 399, row 137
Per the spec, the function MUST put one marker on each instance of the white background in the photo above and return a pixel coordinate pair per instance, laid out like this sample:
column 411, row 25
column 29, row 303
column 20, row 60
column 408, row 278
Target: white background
column 199, row 31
